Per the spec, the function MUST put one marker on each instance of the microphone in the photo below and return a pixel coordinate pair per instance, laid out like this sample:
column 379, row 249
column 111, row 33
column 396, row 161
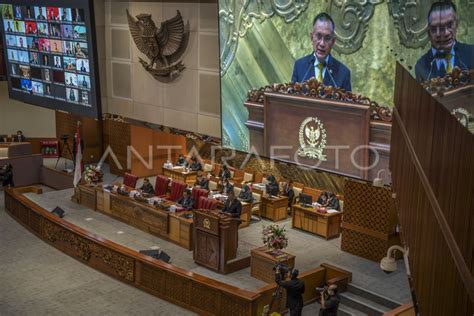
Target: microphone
column 328, row 70
column 431, row 69
column 311, row 64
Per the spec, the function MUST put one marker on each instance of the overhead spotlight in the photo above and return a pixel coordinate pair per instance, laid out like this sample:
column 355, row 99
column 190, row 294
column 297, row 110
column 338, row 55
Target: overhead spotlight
column 388, row 263
column 378, row 181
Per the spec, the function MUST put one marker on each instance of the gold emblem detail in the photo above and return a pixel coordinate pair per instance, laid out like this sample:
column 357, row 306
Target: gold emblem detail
column 206, row 223
column 312, row 138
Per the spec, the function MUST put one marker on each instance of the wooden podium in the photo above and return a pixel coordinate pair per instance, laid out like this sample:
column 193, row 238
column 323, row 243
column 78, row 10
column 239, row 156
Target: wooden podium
column 347, row 134
column 216, row 239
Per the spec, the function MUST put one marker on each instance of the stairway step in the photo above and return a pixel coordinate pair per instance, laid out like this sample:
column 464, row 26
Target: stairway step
column 345, row 310
column 363, row 304
column 374, row 297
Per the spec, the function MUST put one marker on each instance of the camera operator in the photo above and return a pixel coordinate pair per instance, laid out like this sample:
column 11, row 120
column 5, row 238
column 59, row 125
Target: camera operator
column 294, row 291
column 329, row 301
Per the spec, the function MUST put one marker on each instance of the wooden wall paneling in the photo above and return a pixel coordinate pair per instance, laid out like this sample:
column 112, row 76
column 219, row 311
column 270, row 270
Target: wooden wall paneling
column 161, row 154
column 66, row 124
column 141, row 140
column 433, row 178
column 119, row 138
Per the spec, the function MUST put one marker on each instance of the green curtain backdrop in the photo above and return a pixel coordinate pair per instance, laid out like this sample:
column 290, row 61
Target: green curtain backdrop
column 269, row 46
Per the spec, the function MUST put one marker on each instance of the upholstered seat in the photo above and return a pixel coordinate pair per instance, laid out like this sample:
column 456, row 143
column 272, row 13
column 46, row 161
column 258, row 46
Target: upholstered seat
column 130, row 180
column 161, row 185
column 197, row 193
column 177, row 189
column 206, row 203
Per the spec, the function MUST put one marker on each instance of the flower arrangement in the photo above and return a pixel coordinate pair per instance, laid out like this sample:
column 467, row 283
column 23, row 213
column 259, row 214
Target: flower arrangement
column 93, row 174
column 274, row 237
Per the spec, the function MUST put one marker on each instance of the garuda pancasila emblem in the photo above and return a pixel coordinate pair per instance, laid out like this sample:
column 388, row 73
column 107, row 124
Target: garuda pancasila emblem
column 164, row 47
column 312, row 136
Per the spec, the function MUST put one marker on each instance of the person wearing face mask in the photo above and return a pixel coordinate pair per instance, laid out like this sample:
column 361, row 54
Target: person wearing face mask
column 445, row 52
column 320, row 64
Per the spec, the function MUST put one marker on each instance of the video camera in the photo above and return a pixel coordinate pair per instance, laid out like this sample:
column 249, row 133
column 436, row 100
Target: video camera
column 282, row 268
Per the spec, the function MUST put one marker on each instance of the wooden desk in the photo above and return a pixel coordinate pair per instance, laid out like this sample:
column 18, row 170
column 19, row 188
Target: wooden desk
column 262, row 263
column 324, row 225
column 275, row 209
column 151, row 219
column 180, row 175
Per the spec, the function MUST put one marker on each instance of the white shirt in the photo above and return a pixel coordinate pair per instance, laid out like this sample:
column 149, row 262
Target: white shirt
column 442, row 61
column 316, row 68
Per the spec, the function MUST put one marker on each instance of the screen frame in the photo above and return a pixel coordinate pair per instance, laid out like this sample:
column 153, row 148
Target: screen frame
column 95, row 110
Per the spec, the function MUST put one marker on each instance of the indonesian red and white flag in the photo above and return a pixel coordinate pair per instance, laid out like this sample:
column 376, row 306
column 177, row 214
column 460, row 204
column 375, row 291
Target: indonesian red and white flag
column 79, row 166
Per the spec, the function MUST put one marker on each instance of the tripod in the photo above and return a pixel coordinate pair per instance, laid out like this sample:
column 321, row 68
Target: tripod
column 276, row 294
column 65, row 148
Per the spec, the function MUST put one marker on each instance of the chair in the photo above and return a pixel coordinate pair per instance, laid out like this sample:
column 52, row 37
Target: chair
column 248, row 177
column 213, row 185
column 206, row 203
column 130, row 180
column 207, row 167
column 197, row 193
column 177, row 189
column 256, row 205
column 161, row 185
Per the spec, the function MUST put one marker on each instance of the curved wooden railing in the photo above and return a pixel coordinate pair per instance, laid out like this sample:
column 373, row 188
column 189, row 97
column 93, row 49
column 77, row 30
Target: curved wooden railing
column 178, row 286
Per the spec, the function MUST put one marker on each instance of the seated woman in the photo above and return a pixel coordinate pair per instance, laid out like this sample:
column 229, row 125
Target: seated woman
column 202, row 181
column 147, row 187
column 224, row 172
column 245, row 194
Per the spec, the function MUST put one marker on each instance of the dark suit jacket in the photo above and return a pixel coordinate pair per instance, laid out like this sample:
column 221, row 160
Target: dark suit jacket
column 187, row 204
column 195, row 166
column 21, row 139
column 273, row 188
column 294, row 290
column 290, row 194
column 246, row 196
column 148, row 188
column 204, row 183
column 224, row 174
column 426, row 68
column 339, row 72
column 7, row 178
column 226, row 189
column 234, row 208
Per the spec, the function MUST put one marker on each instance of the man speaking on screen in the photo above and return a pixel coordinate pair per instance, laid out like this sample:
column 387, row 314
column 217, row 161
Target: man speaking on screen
column 320, row 63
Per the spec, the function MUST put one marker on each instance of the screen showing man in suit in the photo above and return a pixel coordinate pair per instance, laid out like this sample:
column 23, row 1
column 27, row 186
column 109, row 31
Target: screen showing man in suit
column 445, row 52
column 268, row 46
column 320, row 64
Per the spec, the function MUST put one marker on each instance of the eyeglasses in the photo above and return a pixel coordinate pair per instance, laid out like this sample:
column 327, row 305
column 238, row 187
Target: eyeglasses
column 434, row 29
column 320, row 37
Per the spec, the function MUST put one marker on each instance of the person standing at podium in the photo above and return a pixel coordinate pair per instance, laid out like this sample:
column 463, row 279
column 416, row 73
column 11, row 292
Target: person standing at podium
column 320, row 64
column 232, row 206
column 445, row 52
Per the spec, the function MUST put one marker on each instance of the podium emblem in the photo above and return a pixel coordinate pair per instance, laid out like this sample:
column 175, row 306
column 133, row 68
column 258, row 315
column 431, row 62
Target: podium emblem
column 312, row 138
column 206, row 223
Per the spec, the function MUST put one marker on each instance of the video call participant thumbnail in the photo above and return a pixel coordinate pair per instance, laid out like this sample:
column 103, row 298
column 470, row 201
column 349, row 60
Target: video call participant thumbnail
column 320, row 63
column 445, row 52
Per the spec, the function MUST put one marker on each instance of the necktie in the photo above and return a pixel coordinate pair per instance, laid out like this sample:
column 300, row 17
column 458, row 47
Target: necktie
column 320, row 75
column 449, row 68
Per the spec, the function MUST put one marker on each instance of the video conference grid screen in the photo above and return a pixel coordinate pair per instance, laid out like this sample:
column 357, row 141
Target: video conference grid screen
column 49, row 55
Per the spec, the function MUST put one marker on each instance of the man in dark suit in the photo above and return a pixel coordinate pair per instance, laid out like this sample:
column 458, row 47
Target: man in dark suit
column 186, row 201
column 6, row 175
column 195, row 164
column 245, row 194
column 294, row 291
column 445, row 52
column 320, row 63
column 224, row 172
column 232, row 206
column 272, row 187
column 288, row 191
column 147, row 187
column 202, row 181
column 226, row 187
column 20, row 137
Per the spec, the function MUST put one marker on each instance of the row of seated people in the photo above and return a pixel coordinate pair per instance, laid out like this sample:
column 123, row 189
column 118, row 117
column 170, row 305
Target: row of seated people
column 188, row 199
column 242, row 190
